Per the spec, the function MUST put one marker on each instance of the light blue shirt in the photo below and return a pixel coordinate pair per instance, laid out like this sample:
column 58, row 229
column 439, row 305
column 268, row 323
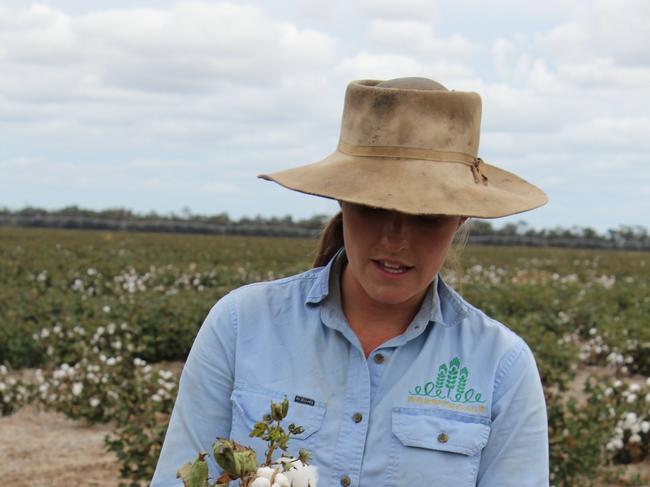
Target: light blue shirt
column 454, row 401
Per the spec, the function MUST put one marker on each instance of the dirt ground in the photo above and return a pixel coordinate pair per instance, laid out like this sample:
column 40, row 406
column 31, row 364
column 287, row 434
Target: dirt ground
column 45, row 449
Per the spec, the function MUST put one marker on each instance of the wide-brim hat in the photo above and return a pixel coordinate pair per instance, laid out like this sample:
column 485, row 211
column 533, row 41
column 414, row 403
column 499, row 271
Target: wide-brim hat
column 411, row 145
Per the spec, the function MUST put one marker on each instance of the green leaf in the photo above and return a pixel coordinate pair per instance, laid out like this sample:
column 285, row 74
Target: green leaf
column 259, row 429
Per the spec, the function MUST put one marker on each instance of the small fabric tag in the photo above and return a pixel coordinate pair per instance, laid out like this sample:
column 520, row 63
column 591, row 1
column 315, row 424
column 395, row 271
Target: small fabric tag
column 304, row 400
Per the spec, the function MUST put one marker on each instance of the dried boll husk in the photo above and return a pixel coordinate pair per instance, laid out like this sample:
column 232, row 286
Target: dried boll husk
column 194, row 474
column 236, row 460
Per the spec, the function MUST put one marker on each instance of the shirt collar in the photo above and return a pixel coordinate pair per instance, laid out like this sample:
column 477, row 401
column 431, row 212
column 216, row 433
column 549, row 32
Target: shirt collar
column 321, row 286
column 441, row 304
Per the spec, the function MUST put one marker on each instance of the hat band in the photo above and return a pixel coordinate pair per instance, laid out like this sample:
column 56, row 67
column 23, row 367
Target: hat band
column 475, row 163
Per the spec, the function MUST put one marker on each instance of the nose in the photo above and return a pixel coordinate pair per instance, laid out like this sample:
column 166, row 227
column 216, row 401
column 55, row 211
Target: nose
column 395, row 231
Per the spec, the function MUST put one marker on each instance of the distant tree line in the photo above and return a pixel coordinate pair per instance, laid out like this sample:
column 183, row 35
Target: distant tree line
column 482, row 232
column 629, row 237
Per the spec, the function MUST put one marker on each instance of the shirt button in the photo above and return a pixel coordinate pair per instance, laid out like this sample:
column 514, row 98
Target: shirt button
column 379, row 358
column 357, row 417
column 443, row 438
column 345, row 481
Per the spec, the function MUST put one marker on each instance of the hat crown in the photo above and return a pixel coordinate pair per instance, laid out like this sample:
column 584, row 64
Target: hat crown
column 414, row 113
column 412, row 83
column 411, row 145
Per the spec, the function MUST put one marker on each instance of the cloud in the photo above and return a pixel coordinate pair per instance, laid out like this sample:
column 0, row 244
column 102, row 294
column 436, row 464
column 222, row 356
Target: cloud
column 418, row 37
column 199, row 47
column 19, row 163
column 365, row 65
column 156, row 56
column 617, row 31
column 612, row 135
column 414, row 9
column 218, row 187
column 163, row 164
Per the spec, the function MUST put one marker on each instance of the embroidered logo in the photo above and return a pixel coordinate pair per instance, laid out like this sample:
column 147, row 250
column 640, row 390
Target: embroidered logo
column 304, row 400
column 449, row 389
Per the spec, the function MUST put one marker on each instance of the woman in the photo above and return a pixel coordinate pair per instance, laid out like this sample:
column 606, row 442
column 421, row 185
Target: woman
column 396, row 380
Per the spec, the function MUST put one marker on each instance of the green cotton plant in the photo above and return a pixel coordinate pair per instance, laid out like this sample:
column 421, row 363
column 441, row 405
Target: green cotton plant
column 240, row 462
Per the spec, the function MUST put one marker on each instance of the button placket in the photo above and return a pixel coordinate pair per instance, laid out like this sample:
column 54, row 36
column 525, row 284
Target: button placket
column 377, row 365
column 352, row 435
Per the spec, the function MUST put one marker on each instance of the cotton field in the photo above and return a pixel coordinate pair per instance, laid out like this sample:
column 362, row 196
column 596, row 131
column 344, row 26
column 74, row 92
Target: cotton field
column 90, row 320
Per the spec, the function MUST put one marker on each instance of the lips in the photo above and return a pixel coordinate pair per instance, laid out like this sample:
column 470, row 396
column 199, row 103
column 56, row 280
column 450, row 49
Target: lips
column 392, row 266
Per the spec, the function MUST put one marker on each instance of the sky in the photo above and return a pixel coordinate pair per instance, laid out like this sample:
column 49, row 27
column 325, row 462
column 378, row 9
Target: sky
column 164, row 105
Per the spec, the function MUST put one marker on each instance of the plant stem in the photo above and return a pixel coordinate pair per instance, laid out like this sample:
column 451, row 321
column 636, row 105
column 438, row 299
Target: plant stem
column 271, row 449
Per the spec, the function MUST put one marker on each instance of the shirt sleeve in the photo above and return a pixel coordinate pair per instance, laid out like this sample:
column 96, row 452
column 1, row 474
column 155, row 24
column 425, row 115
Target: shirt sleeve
column 202, row 411
column 517, row 449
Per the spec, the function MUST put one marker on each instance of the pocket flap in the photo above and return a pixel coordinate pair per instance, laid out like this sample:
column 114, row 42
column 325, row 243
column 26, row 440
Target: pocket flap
column 253, row 406
column 435, row 431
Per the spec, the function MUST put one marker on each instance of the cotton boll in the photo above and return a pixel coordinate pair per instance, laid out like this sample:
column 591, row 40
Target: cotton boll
column 265, row 472
column 261, row 482
column 281, row 480
column 303, row 475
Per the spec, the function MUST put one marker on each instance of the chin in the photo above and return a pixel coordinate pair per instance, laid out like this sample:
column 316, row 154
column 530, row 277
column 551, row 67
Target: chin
column 390, row 297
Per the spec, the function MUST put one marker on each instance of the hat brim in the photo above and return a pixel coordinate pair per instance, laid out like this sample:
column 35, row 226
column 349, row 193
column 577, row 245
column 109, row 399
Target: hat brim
column 413, row 186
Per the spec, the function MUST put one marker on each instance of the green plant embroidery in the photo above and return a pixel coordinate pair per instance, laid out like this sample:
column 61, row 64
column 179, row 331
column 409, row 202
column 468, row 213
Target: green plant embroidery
column 454, row 365
column 454, row 379
column 440, row 380
column 462, row 383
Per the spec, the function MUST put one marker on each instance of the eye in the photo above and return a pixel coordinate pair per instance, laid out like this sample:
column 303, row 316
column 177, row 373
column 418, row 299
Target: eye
column 431, row 219
column 371, row 210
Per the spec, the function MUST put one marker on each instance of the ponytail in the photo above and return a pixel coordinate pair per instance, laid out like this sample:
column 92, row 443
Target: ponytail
column 330, row 241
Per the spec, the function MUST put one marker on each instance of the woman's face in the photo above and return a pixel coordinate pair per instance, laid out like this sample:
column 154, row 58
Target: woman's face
column 392, row 256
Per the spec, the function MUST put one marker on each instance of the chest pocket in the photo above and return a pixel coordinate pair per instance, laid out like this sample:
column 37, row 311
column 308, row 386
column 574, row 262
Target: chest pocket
column 436, row 448
column 250, row 408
